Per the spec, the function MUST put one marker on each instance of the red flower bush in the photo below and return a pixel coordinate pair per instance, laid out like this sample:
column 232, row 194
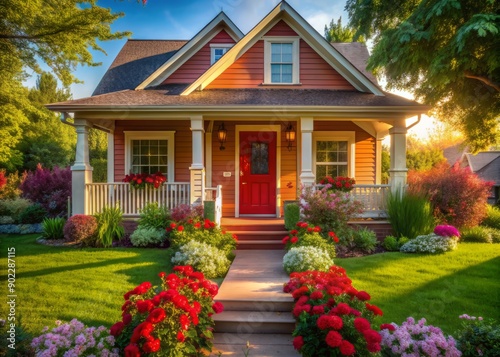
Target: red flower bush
column 80, row 228
column 173, row 319
column 458, row 195
column 309, row 235
column 143, row 180
column 344, row 328
column 3, row 179
column 339, row 183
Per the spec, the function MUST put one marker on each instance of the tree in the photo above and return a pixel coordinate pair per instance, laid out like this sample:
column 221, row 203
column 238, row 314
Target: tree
column 335, row 32
column 423, row 156
column 445, row 52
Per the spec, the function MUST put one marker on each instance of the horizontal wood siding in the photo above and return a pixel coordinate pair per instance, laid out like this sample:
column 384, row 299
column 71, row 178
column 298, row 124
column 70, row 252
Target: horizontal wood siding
column 183, row 144
column 289, row 180
column 198, row 63
column 365, row 148
column 248, row 70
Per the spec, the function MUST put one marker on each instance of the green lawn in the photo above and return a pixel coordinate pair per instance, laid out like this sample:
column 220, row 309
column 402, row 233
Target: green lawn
column 64, row 283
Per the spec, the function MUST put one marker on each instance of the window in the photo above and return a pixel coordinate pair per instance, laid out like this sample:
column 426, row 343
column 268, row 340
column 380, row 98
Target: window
column 217, row 50
column 334, row 154
column 150, row 152
column 281, row 60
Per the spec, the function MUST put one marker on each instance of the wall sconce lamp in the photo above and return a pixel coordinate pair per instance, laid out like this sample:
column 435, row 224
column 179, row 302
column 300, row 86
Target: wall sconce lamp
column 222, row 135
column 289, row 136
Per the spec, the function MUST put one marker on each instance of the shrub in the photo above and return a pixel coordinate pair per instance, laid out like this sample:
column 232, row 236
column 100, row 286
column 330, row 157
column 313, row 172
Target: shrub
column 339, row 183
column 10, row 190
column 333, row 318
column 410, row 215
column 32, row 214
column 173, row 319
column 431, row 243
column 391, row 244
column 147, row 236
column 154, row 216
column 307, row 235
column 109, row 226
column 50, row 189
column 184, row 213
column 53, row 228
column 329, row 210
column 20, row 228
column 446, row 231
column 299, row 259
column 477, row 234
column 13, row 207
column 206, row 232
column 75, row 339
column 203, row 257
column 80, row 228
column 3, row 179
column 494, row 234
column 419, row 339
column 365, row 240
column 492, row 217
column 6, row 220
column 458, row 196
column 292, row 215
column 22, row 340
column 478, row 337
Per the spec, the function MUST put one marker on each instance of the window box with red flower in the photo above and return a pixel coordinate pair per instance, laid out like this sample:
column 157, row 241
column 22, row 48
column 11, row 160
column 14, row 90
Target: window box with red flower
column 143, row 180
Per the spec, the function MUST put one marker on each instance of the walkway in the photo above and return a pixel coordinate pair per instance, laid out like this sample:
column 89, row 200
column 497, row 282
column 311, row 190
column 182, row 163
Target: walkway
column 256, row 320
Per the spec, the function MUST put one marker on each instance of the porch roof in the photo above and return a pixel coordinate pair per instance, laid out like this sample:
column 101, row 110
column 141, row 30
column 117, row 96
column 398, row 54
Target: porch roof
column 169, row 97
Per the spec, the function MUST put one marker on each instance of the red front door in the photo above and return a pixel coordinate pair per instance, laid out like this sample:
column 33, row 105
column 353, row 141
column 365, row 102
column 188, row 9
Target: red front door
column 257, row 172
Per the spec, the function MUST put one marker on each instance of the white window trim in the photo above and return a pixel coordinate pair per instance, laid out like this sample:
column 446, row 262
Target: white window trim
column 349, row 136
column 213, row 46
column 151, row 135
column 267, row 58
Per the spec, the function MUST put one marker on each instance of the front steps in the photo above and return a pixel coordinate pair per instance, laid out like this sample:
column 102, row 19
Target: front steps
column 257, row 233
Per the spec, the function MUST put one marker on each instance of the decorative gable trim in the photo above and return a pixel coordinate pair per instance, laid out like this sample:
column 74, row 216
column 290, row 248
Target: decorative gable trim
column 285, row 12
column 219, row 23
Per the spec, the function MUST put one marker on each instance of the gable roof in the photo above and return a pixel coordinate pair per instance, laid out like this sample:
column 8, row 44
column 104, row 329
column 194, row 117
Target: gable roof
column 221, row 21
column 135, row 62
column 285, row 12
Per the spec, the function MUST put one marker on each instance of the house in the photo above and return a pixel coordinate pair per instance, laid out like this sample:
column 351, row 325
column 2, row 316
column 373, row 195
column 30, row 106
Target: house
column 251, row 116
column 486, row 164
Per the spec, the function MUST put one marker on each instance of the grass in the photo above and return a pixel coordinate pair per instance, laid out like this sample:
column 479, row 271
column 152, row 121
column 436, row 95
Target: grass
column 437, row 287
column 88, row 284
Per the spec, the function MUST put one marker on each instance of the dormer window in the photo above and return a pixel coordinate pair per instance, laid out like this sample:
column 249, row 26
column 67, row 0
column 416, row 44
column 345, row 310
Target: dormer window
column 281, row 57
column 217, row 50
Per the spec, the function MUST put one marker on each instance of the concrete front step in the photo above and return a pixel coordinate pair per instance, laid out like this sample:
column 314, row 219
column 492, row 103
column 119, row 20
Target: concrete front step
column 261, row 322
column 260, row 244
column 265, row 305
column 255, row 235
column 253, row 345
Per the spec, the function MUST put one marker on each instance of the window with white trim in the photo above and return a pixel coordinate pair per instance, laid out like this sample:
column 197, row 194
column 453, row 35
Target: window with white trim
column 281, row 57
column 334, row 155
column 150, row 152
column 217, row 50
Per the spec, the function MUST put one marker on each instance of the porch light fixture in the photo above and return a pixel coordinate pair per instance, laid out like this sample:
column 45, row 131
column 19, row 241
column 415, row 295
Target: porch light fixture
column 222, row 135
column 289, row 136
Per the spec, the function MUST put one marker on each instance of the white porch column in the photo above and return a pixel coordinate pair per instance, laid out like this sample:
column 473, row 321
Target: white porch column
column 197, row 167
column 81, row 171
column 378, row 161
column 398, row 170
column 307, row 177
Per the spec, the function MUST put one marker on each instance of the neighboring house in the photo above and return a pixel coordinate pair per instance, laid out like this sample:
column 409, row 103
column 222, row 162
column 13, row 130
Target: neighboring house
column 486, row 164
column 255, row 115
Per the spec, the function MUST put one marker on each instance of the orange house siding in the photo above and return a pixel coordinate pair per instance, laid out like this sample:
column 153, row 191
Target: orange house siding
column 183, row 144
column 365, row 149
column 198, row 63
column 248, row 70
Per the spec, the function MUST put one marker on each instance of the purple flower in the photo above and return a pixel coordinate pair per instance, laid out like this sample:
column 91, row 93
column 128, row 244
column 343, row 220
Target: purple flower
column 446, row 231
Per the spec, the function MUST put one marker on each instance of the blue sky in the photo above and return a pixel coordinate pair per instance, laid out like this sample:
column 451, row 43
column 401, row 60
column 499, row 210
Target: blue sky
column 173, row 19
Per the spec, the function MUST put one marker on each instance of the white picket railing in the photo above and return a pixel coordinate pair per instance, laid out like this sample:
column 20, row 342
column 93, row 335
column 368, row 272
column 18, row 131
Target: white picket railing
column 132, row 200
column 374, row 198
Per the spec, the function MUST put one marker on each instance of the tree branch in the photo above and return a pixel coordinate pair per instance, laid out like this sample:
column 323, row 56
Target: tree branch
column 485, row 80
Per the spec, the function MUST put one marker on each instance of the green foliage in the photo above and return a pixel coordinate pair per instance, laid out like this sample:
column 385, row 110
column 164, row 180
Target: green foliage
column 492, row 217
column 410, row 215
column 335, row 32
column 299, row 259
column 445, row 52
column 203, row 257
column 53, row 228
column 13, row 207
column 154, row 216
column 309, row 236
column 10, row 190
column 22, row 340
column 109, row 226
column 147, row 236
column 98, row 153
column 476, row 234
column 495, row 235
column 32, row 214
column 393, row 244
column 423, row 159
column 386, row 164
column 292, row 215
column 479, row 337
column 365, row 240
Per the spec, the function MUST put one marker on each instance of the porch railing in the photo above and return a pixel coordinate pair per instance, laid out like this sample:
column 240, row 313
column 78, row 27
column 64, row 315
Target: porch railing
column 374, row 198
column 132, row 200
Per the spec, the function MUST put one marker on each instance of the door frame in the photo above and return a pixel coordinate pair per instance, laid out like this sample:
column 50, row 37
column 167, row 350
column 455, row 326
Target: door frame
column 268, row 127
